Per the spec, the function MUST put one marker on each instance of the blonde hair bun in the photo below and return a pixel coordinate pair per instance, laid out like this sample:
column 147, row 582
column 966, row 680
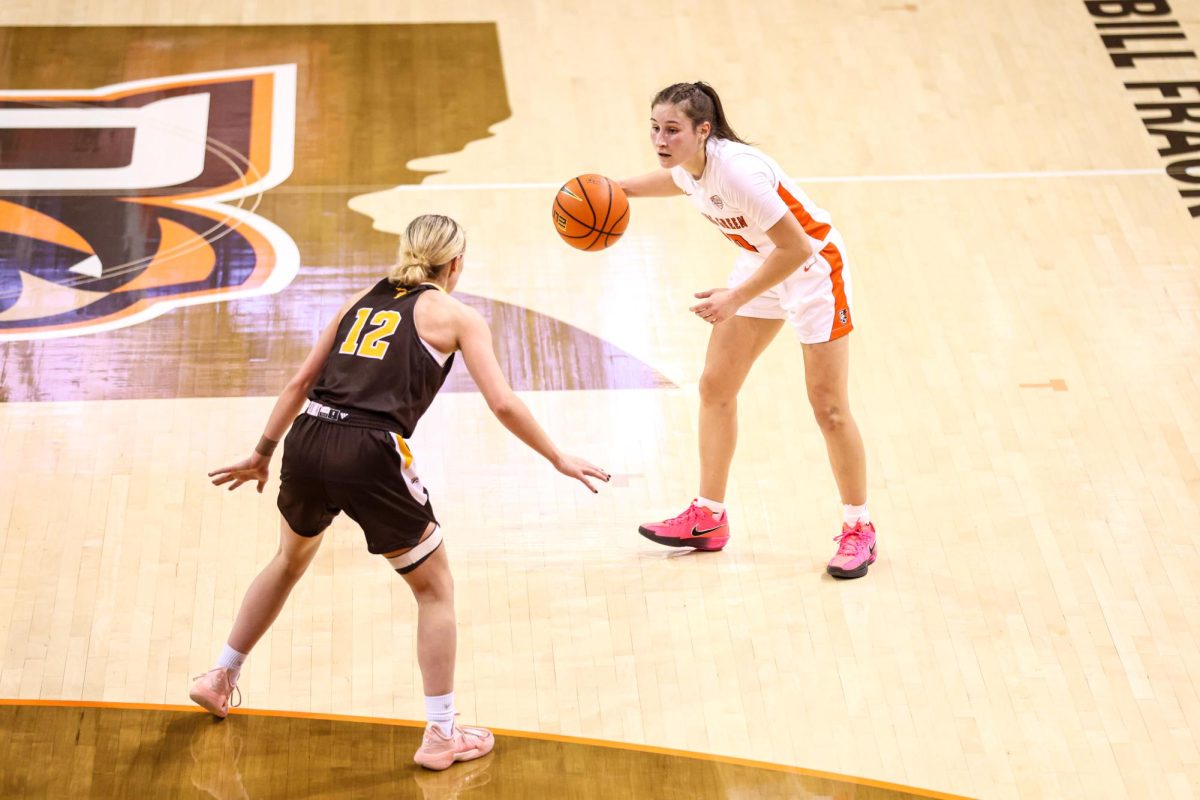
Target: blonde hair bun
column 427, row 246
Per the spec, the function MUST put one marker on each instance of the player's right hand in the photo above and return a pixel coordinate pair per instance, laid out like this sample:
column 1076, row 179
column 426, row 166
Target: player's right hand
column 254, row 468
column 580, row 470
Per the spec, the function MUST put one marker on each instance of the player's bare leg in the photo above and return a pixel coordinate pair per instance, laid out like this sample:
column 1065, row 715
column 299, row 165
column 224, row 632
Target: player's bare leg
column 260, row 607
column 445, row 741
column 733, row 348
column 827, row 378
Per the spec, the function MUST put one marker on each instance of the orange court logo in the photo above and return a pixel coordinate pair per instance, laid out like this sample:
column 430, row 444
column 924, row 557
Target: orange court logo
column 120, row 203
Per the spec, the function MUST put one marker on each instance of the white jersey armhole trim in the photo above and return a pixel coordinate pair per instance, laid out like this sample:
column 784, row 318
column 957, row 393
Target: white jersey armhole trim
column 438, row 355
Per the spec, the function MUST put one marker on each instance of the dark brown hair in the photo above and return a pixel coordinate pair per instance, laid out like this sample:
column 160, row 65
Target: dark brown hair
column 699, row 103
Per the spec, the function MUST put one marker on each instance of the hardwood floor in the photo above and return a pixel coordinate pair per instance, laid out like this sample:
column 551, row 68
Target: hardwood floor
column 1023, row 368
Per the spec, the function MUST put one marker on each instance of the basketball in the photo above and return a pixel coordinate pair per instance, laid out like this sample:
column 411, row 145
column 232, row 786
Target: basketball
column 590, row 212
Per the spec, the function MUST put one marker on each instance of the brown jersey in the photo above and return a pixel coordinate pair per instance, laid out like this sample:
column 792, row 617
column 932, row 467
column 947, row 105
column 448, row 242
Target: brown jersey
column 379, row 373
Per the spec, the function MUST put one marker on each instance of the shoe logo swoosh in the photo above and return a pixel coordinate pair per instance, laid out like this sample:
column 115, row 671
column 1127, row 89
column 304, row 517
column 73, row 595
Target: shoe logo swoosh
column 697, row 532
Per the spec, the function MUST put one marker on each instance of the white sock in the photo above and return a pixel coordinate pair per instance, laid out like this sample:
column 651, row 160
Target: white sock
column 854, row 514
column 712, row 505
column 232, row 660
column 439, row 710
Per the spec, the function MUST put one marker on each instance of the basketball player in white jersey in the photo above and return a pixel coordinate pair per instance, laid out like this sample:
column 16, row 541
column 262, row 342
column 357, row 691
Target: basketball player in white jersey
column 791, row 268
column 370, row 377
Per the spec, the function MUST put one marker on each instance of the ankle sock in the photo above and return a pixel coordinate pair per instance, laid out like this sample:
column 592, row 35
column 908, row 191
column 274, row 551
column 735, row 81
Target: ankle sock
column 855, row 514
column 439, row 710
column 231, row 660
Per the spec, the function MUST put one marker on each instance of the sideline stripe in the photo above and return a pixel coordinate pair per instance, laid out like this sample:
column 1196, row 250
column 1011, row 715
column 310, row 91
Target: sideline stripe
column 931, row 177
column 549, row 737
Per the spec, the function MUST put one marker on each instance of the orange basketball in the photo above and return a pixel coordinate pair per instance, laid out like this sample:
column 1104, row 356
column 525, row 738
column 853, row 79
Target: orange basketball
column 590, row 212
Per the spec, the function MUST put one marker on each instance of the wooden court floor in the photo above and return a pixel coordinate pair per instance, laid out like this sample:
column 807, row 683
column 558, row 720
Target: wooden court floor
column 120, row 751
column 1024, row 371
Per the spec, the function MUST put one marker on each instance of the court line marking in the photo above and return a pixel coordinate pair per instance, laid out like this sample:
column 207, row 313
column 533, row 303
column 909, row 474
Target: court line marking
column 551, row 737
column 811, row 179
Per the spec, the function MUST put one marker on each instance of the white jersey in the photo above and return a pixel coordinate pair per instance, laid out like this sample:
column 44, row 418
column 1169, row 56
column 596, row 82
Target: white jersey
column 744, row 193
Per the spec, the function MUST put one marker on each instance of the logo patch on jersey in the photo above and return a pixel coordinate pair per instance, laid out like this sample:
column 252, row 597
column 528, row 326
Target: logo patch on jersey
column 124, row 202
column 717, row 201
column 843, row 315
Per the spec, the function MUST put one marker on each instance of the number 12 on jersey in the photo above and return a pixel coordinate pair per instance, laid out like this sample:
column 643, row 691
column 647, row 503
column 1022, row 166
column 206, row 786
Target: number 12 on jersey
column 375, row 343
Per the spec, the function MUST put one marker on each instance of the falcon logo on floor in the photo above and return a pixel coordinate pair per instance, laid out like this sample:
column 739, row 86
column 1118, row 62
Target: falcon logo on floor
column 121, row 203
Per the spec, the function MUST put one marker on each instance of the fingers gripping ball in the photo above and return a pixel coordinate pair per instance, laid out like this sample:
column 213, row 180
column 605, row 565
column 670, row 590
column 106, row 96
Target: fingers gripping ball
column 590, row 212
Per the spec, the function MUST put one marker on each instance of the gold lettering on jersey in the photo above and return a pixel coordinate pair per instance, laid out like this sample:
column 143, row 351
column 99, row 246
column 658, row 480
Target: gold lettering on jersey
column 351, row 344
column 374, row 344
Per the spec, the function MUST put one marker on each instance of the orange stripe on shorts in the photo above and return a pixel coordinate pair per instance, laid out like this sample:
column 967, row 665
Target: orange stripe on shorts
column 842, row 323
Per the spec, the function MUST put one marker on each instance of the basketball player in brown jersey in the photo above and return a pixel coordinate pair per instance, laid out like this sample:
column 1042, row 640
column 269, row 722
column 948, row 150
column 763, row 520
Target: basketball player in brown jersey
column 372, row 374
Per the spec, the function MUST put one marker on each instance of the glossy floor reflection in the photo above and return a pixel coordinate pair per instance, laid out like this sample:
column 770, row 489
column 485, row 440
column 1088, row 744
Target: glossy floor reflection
column 83, row 750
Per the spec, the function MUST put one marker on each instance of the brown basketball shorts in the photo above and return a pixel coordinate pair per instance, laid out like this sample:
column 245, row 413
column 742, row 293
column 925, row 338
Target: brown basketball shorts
column 329, row 467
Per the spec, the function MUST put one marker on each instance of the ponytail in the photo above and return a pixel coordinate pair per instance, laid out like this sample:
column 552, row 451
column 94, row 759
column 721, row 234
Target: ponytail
column 427, row 246
column 700, row 103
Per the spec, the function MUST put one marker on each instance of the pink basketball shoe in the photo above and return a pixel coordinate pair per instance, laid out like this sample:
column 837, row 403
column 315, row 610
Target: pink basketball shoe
column 856, row 551
column 211, row 691
column 696, row 527
column 439, row 751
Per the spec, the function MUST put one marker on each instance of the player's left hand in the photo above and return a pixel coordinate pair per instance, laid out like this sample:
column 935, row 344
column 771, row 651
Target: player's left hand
column 254, row 468
column 718, row 305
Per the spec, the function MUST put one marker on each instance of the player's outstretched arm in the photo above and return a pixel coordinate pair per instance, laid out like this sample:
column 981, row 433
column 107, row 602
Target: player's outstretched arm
column 256, row 466
column 475, row 342
column 652, row 184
